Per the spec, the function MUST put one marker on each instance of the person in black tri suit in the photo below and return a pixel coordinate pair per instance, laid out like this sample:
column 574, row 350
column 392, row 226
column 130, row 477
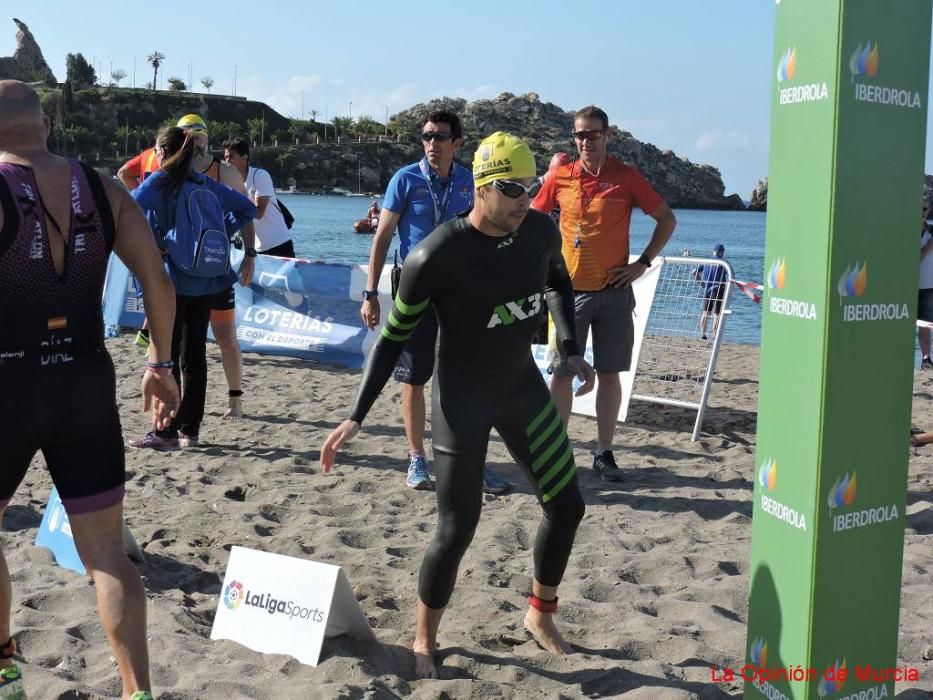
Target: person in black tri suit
column 59, row 222
column 488, row 275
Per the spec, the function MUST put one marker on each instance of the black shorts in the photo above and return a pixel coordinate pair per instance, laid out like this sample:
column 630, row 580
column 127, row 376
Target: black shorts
column 712, row 302
column 224, row 300
column 69, row 411
column 283, row 250
column 925, row 305
column 416, row 363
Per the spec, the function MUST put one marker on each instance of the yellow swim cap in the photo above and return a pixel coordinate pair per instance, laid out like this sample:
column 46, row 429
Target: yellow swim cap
column 193, row 122
column 502, row 156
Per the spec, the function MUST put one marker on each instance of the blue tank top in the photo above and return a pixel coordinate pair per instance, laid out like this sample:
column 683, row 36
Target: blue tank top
column 47, row 319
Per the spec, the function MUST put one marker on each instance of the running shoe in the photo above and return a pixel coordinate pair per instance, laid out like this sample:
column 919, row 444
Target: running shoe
column 11, row 683
column 493, row 483
column 142, row 339
column 418, row 477
column 187, row 440
column 141, row 695
column 604, row 464
column 154, row 441
column 925, row 363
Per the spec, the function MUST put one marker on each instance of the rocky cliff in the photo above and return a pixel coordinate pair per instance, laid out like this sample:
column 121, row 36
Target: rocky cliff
column 26, row 63
column 759, row 198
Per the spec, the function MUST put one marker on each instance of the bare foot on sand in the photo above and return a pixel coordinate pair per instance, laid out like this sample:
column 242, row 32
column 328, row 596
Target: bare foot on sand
column 425, row 664
column 541, row 627
column 235, row 412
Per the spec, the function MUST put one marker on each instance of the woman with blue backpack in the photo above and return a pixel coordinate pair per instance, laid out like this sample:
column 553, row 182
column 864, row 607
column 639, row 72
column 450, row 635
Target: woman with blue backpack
column 193, row 219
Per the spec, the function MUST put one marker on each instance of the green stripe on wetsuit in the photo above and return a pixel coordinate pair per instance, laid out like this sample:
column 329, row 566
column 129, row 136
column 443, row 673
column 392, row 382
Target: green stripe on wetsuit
column 403, row 319
column 551, row 454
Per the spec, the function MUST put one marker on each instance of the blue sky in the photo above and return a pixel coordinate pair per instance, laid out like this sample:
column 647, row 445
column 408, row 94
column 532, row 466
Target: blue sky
column 693, row 77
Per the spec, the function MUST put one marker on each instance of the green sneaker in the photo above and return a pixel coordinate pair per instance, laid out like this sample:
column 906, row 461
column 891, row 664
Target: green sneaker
column 141, row 695
column 142, row 339
column 11, row 683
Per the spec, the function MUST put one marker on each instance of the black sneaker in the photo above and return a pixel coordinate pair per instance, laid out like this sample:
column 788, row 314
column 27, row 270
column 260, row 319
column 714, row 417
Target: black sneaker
column 604, row 464
column 926, row 364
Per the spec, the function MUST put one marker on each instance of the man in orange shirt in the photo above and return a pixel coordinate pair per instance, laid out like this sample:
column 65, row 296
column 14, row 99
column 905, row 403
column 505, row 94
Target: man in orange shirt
column 135, row 170
column 596, row 195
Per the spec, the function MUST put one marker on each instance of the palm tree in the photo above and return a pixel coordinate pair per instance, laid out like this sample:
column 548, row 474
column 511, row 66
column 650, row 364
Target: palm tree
column 207, row 81
column 314, row 114
column 155, row 59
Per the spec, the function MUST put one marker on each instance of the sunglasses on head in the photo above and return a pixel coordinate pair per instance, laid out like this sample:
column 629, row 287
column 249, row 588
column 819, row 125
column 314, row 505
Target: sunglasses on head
column 514, row 190
column 589, row 135
column 436, row 136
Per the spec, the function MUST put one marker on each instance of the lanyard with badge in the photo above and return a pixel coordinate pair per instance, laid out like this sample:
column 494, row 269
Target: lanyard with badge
column 584, row 199
column 440, row 206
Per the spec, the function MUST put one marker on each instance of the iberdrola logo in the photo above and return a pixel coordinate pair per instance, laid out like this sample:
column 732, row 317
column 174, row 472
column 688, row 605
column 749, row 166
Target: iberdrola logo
column 834, row 678
column 854, row 281
column 843, row 491
column 864, row 60
column 759, row 653
column 777, row 273
column 233, row 595
column 767, row 475
column 787, row 67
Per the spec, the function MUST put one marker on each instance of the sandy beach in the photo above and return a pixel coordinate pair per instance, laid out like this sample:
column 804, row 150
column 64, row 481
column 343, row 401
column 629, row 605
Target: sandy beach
column 654, row 595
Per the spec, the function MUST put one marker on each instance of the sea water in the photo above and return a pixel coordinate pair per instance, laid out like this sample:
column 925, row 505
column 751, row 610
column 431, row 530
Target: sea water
column 323, row 230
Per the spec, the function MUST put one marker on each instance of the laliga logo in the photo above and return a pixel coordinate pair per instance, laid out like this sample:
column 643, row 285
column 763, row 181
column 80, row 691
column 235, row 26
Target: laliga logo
column 777, row 274
column 864, row 60
column 834, row 678
column 233, row 595
column 767, row 475
column 854, row 281
column 843, row 491
column 759, row 653
column 787, row 67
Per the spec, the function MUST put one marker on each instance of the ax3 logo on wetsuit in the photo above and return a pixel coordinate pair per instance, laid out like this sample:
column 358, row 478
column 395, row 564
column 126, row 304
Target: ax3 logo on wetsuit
column 512, row 311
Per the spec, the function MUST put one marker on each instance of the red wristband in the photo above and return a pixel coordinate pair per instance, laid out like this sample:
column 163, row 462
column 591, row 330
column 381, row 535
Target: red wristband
column 161, row 371
column 545, row 606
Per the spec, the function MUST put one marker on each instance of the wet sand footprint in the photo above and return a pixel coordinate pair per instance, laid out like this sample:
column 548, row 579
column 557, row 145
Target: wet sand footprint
column 599, row 591
column 356, row 539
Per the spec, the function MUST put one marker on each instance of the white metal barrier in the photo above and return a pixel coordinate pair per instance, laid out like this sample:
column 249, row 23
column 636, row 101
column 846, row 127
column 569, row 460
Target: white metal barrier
column 675, row 365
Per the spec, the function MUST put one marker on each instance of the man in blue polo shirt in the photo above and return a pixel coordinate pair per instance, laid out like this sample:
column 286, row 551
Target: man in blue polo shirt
column 420, row 197
column 713, row 279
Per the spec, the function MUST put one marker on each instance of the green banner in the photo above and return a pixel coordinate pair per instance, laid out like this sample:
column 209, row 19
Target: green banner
column 848, row 132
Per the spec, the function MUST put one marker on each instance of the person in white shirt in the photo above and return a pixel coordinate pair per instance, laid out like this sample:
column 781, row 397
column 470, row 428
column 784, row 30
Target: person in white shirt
column 272, row 235
column 925, row 295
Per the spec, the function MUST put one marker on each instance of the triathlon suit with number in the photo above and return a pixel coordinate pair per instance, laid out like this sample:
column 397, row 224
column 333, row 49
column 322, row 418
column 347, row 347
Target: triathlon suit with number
column 488, row 295
column 58, row 380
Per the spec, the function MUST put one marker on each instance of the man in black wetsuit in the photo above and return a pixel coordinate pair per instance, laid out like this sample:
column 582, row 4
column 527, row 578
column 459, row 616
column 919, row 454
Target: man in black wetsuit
column 487, row 275
column 59, row 222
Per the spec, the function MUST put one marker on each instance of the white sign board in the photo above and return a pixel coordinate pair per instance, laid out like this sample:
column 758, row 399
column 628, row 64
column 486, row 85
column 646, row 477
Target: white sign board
column 644, row 289
column 276, row 604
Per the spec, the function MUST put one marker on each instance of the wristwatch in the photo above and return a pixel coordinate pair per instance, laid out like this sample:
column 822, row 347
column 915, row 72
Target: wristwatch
column 250, row 252
column 370, row 293
column 644, row 260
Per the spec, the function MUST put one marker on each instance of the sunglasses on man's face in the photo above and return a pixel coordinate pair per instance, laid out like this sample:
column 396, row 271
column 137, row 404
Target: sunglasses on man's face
column 514, row 190
column 436, row 136
column 588, row 135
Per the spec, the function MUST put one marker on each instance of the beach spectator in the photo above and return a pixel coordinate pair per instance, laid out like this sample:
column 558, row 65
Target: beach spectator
column 596, row 195
column 272, row 235
column 59, row 380
column 223, row 306
column 487, row 276
column 420, row 197
column 713, row 280
column 925, row 295
column 137, row 169
column 193, row 294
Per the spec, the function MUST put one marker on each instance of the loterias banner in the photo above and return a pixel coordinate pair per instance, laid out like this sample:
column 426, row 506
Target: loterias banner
column 849, row 108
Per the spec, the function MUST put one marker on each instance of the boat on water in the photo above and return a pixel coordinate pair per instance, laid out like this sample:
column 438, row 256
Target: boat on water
column 363, row 226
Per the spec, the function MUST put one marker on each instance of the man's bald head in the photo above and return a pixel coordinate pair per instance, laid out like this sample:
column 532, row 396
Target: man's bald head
column 19, row 104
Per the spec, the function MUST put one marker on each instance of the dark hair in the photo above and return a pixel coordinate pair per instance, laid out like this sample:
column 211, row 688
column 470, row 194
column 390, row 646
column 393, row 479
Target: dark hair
column 238, row 144
column 445, row 117
column 593, row 112
column 178, row 152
